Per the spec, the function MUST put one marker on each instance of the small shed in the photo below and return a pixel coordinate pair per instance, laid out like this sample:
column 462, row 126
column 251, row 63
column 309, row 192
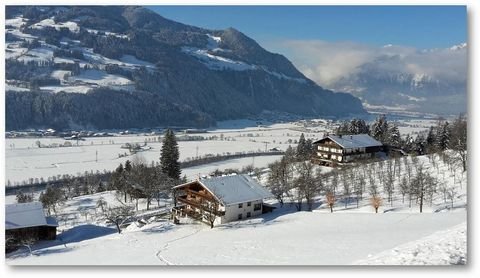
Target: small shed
column 27, row 221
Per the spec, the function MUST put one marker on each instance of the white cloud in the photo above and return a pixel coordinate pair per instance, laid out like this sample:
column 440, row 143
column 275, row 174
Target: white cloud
column 326, row 62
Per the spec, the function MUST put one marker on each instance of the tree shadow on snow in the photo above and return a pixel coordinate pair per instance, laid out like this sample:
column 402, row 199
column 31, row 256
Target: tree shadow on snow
column 269, row 218
column 159, row 229
column 84, row 232
column 59, row 245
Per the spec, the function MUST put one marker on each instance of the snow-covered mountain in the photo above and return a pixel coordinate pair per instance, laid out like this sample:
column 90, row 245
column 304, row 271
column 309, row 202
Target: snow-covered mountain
column 431, row 80
column 120, row 67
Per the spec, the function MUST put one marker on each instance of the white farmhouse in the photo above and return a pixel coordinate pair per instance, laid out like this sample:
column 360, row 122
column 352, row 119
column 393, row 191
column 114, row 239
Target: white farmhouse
column 221, row 199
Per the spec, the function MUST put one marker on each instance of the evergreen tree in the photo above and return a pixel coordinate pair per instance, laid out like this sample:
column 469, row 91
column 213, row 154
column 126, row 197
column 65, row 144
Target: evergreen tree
column 419, row 145
column 169, row 156
column 394, row 135
column 430, row 141
column 303, row 148
column 290, row 153
column 380, row 129
column 355, row 126
column 128, row 166
column 309, row 147
column 443, row 136
column 358, row 126
column 458, row 140
column 23, row 198
column 343, row 128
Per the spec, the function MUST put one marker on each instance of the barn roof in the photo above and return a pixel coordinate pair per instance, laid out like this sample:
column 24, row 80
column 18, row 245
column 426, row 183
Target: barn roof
column 234, row 189
column 26, row 215
column 353, row 141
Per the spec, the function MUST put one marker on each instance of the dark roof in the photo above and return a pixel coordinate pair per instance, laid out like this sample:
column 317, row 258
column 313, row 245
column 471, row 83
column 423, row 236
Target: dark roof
column 234, row 189
column 353, row 141
column 26, row 215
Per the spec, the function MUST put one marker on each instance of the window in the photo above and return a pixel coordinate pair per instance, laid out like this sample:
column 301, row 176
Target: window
column 239, row 216
column 249, row 204
column 240, row 206
column 257, row 207
column 249, row 214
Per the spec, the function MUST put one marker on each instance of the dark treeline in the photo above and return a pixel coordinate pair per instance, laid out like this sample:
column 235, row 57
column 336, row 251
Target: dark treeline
column 210, row 159
column 444, row 135
column 112, row 109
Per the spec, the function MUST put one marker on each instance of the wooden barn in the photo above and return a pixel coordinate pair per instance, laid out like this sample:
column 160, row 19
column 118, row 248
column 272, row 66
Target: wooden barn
column 27, row 222
column 340, row 149
column 220, row 200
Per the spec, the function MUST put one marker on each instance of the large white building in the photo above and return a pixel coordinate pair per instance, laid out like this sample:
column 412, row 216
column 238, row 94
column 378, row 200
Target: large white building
column 220, row 200
column 339, row 149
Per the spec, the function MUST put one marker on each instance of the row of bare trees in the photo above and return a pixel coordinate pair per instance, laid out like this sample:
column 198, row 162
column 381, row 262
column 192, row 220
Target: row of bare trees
column 138, row 181
column 411, row 177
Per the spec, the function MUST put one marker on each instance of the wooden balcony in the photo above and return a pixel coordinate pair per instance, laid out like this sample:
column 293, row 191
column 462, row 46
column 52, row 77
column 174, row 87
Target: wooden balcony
column 197, row 204
column 202, row 194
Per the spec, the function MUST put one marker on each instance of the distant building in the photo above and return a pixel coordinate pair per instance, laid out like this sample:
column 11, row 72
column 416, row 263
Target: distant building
column 340, row 149
column 227, row 198
column 27, row 221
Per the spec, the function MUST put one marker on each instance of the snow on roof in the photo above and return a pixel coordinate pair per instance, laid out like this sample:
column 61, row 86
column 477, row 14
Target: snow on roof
column 353, row 141
column 234, row 189
column 26, row 215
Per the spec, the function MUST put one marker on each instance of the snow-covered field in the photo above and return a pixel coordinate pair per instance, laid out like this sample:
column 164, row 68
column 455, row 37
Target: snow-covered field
column 281, row 238
column 446, row 247
column 352, row 234
column 25, row 160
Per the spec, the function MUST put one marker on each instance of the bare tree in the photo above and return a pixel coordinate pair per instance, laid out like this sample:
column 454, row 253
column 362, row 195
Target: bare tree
column 51, row 198
column 308, row 184
column 372, row 183
column 12, row 242
column 404, row 188
column 388, row 184
column 330, row 200
column 376, row 202
column 408, row 168
column 452, row 193
column 358, row 187
column 334, row 181
column 398, row 167
column 346, row 186
column 102, row 204
column 423, row 184
column 119, row 215
column 280, row 179
column 210, row 209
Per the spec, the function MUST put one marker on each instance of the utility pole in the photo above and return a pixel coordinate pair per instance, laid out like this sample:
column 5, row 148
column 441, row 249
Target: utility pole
column 96, row 155
column 196, row 155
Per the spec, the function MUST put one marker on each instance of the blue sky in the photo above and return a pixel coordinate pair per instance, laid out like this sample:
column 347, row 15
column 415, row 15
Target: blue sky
column 416, row 26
